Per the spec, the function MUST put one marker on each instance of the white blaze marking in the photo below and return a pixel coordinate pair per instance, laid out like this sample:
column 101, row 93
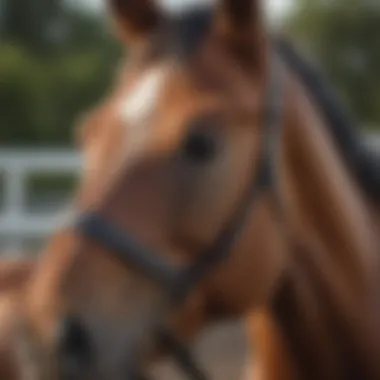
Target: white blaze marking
column 179, row 7
column 141, row 101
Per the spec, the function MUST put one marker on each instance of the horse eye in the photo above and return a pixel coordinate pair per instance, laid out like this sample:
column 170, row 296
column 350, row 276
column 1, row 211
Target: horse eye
column 199, row 147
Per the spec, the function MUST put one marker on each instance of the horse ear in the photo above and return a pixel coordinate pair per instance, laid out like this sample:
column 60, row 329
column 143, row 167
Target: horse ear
column 240, row 25
column 135, row 20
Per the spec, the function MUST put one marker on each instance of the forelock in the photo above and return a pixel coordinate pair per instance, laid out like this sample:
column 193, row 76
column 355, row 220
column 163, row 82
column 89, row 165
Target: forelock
column 190, row 22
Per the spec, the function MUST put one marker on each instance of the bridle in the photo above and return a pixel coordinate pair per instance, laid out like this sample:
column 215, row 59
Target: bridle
column 180, row 281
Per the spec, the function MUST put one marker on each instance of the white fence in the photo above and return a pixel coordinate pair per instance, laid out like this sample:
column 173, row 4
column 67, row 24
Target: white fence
column 17, row 225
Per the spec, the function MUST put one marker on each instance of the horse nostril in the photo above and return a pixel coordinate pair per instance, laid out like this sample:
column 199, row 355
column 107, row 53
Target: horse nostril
column 75, row 348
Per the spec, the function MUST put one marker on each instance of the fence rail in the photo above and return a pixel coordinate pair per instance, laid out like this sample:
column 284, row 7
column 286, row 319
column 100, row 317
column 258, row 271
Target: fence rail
column 17, row 224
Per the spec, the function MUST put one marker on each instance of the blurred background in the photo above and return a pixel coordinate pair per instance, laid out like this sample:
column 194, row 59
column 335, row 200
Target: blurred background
column 57, row 58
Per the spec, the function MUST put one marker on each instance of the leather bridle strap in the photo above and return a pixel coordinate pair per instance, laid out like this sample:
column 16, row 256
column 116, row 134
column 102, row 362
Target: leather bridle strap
column 128, row 250
column 182, row 355
column 179, row 281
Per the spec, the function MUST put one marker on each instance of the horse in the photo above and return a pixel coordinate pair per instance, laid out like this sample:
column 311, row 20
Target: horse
column 219, row 183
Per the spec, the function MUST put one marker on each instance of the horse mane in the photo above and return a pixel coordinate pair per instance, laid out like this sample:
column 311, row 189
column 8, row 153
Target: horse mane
column 191, row 28
column 362, row 161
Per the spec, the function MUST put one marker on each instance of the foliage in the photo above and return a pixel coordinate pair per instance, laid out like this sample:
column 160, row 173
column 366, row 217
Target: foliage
column 29, row 23
column 56, row 61
column 42, row 91
column 344, row 36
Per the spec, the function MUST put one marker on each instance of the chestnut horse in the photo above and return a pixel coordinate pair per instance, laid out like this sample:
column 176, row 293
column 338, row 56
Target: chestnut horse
column 218, row 184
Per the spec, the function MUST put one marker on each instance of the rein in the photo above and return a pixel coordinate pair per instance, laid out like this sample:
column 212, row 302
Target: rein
column 179, row 281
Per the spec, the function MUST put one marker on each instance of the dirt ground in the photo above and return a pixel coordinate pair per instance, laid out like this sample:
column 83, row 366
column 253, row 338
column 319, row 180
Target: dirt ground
column 221, row 352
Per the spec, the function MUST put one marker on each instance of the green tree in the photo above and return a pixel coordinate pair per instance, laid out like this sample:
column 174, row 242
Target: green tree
column 344, row 37
column 43, row 88
column 31, row 23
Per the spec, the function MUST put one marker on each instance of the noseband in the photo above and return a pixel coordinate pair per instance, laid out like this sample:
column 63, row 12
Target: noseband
column 179, row 282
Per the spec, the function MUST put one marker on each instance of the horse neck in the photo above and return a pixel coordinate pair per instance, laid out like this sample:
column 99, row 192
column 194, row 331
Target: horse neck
column 325, row 306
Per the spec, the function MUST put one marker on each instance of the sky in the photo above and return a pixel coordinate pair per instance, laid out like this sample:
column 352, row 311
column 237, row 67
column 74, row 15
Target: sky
column 275, row 8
